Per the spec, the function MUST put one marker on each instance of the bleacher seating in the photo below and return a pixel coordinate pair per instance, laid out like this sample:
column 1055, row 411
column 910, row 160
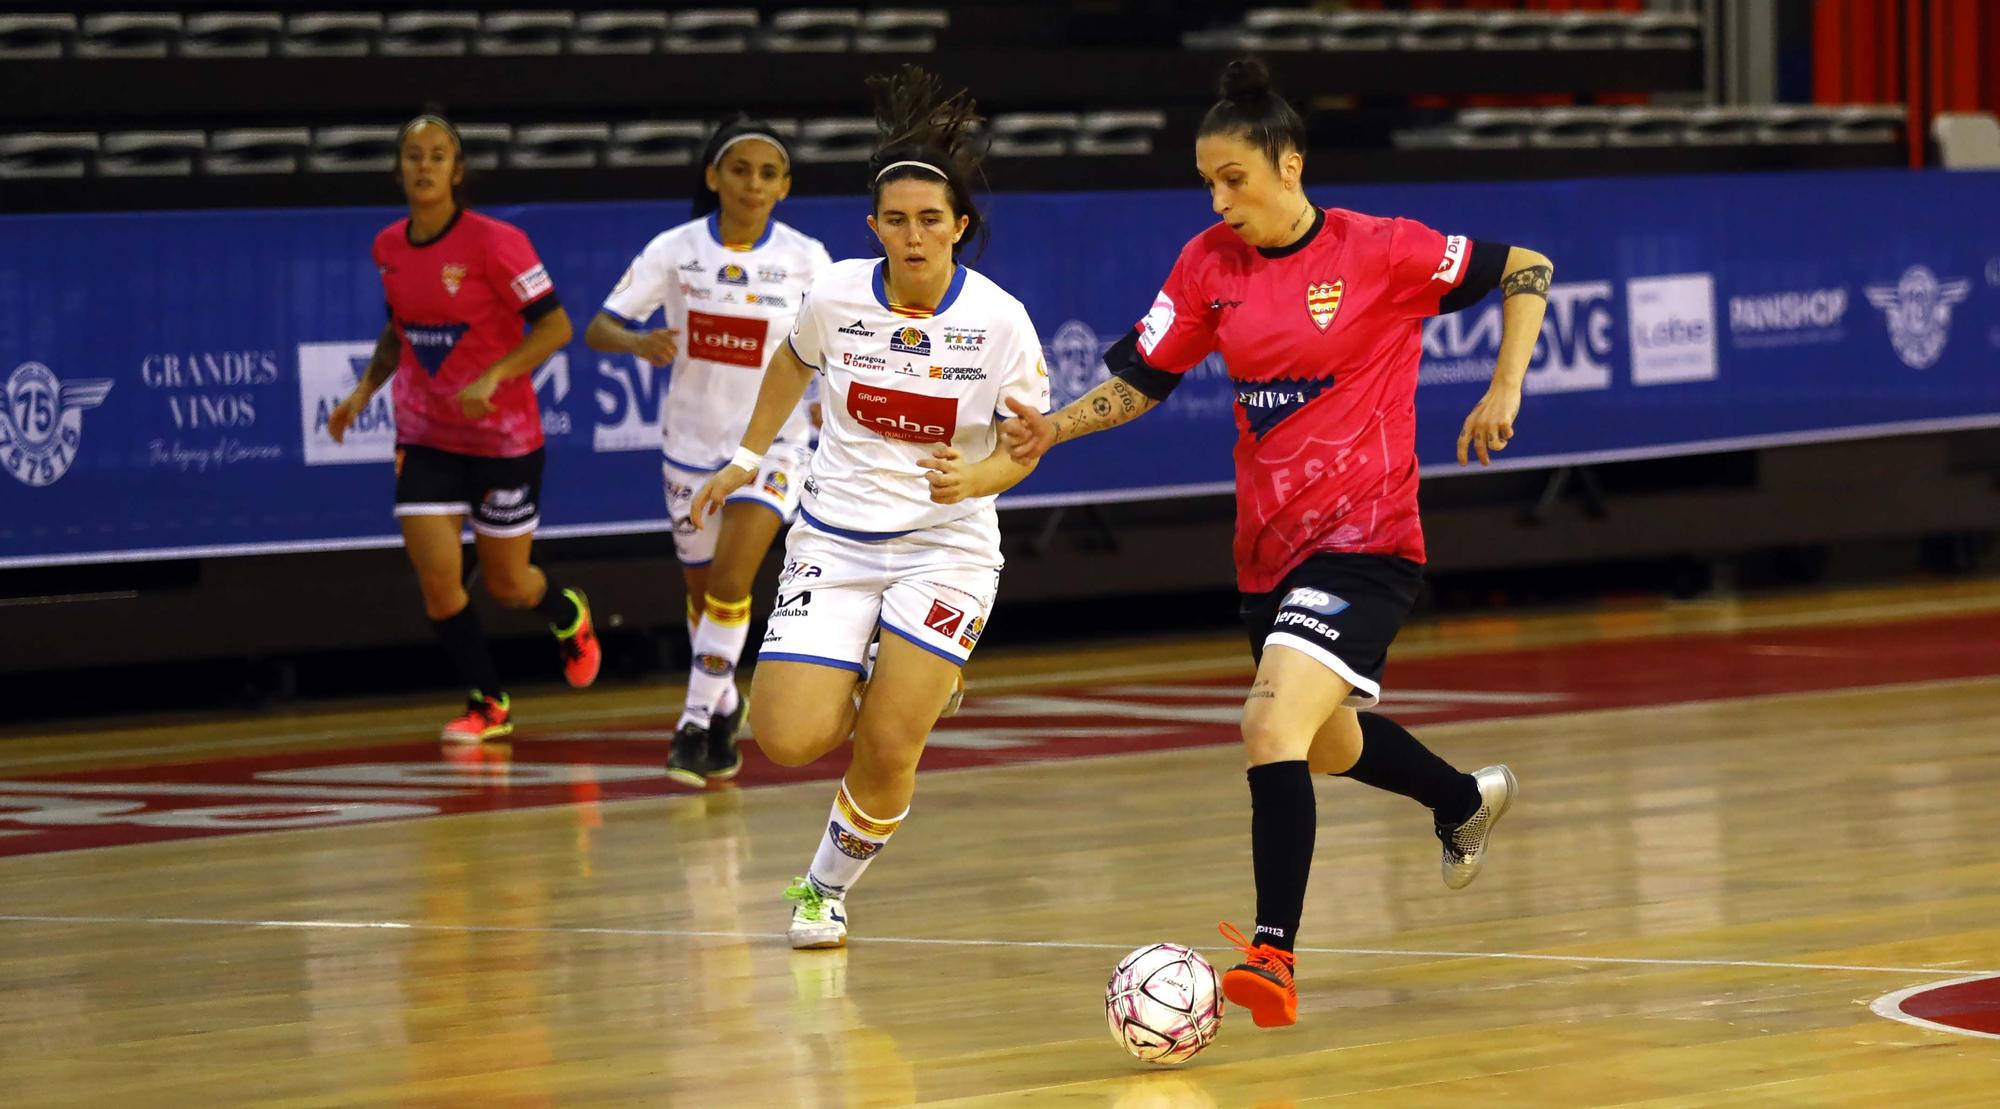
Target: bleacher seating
column 428, row 34
column 441, row 33
column 47, row 154
column 294, row 102
column 260, row 151
column 128, row 35
column 36, row 36
column 617, row 32
column 524, row 33
column 150, row 153
column 488, row 146
column 1638, row 126
column 331, row 35
column 230, row 35
column 1287, row 29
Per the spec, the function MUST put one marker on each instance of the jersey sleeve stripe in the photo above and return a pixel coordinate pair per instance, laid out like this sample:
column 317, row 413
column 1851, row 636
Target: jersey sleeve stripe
column 803, row 360
column 534, row 310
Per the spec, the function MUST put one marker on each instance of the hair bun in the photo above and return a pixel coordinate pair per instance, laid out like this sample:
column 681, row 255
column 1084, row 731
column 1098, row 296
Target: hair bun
column 1245, row 80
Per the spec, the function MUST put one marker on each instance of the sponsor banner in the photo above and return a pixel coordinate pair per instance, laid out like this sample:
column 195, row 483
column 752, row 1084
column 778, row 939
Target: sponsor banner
column 1687, row 314
column 1672, row 328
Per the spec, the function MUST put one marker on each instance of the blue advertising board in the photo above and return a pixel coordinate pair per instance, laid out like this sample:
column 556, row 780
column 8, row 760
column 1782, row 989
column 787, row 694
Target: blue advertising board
column 165, row 378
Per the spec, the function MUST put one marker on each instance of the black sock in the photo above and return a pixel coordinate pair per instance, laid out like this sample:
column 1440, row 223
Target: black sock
column 1283, row 820
column 556, row 607
column 1393, row 760
column 465, row 641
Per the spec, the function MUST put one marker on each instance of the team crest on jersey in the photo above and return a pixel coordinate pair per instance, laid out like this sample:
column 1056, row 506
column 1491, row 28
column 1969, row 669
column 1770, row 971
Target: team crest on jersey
column 453, row 275
column 732, row 274
column 1323, row 301
column 41, row 421
column 910, row 340
column 970, row 637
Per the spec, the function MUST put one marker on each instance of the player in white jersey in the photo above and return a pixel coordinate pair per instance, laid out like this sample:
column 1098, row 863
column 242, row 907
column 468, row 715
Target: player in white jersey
column 919, row 359
column 728, row 284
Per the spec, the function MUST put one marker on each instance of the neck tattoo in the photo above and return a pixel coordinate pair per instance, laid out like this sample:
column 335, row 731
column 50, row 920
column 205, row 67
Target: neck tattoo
column 1295, row 221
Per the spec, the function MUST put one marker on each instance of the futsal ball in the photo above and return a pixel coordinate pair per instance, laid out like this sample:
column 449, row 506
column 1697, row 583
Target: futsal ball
column 1164, row 1003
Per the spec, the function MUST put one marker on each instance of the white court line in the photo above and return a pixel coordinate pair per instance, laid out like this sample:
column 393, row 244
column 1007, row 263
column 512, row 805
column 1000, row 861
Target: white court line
column 683, row 933
column 1891, row 1005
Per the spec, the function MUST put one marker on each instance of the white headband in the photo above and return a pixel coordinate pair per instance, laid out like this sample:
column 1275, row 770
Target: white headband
column 914, row 165
column 764, row 135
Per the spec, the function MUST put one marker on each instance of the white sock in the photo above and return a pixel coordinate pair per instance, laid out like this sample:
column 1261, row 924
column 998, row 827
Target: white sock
column 718, row 643
column 852, row 840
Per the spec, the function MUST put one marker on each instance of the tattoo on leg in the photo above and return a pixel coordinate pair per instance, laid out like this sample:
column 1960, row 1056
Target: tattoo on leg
column 1532, row 280
column 1262, row 691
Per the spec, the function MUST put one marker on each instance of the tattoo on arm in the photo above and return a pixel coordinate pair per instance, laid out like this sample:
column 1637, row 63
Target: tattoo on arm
column 388, row 351
column 1106, row 406
column 1531, row 280
column 1262, row 691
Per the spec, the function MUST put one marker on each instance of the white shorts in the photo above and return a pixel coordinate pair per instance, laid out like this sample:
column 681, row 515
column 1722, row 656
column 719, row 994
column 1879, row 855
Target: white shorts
column 776, row 487
column 934, row 588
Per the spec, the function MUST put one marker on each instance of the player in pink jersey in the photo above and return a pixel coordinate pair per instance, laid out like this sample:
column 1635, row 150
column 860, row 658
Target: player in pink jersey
column 460, row 287
column 1318, row 315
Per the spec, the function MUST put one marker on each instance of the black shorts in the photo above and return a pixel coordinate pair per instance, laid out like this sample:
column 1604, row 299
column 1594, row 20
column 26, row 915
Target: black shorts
column 1343, row 610
column 502, row 495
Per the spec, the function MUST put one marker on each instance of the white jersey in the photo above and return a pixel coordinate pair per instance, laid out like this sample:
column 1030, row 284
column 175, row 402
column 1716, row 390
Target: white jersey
column 896, row 384
column 731, row 306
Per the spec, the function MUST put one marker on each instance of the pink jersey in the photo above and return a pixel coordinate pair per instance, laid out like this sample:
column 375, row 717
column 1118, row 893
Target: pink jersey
column 459, row 302
column 1322, row 341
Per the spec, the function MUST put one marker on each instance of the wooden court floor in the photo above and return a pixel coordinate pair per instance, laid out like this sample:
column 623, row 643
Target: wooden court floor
column 1741, row 825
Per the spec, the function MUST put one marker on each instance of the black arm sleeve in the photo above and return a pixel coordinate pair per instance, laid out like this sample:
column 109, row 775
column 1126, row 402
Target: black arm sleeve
column 534, row 310
column 1125, row 364
column 1482, row 276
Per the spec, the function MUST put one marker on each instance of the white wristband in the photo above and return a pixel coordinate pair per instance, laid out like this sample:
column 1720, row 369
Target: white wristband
column 748, row 459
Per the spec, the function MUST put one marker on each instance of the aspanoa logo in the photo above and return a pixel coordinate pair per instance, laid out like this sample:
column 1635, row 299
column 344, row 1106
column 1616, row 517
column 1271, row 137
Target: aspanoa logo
column 328, row 372
column 1579, row 335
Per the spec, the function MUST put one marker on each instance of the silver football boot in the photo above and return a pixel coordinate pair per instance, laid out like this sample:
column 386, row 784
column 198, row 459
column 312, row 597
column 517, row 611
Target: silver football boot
column 818, row 919
column 1465, row 845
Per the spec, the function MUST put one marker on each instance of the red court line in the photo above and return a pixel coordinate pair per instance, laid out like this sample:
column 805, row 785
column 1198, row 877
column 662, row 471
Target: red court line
column 553, row 767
